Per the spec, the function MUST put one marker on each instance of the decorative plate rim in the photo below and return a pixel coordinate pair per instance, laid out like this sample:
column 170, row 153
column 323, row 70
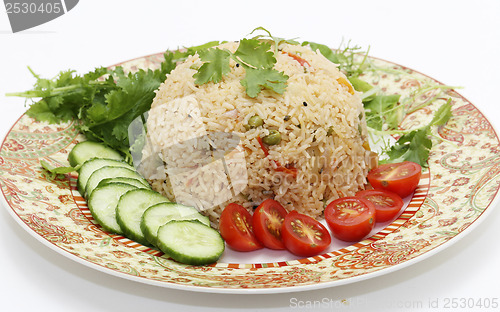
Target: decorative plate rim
column 296, row 288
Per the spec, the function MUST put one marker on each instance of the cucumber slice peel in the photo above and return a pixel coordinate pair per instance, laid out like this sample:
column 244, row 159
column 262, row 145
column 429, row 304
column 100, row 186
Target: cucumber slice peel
column 110, row 172
column 102, row 204
column 86, row 150
column 190, row 242
column 130, row 181
column 93, row 164
column 157, row 215
column 130, row 209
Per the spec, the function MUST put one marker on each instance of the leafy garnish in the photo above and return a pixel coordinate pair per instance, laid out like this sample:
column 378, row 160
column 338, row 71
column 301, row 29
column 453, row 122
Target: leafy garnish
column 216, row 65
column 106, row 101
column 255, row 55
column 255, row 80
column 382, row 112
column 54, row 171
column 103, row 101
column 415, row 144
column 385, row 112
column 276, row 40
column 344, row 56
column 181, row 54
column 442, row 115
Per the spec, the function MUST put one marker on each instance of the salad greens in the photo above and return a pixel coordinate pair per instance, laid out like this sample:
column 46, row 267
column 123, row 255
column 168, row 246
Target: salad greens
column 385, row 112
column 104, row 102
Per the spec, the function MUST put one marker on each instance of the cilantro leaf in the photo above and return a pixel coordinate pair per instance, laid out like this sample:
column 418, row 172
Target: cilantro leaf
column 109, row 121
column 414, row 146
column 42, row 111
column 216, row 65
column 277, row 40
column 103, row 107
column 181, row 55
column 255, row 53
column 255, row 80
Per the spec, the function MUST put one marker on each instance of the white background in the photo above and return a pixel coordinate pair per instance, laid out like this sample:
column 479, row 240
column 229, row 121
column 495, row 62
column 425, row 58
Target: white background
column 455, row 42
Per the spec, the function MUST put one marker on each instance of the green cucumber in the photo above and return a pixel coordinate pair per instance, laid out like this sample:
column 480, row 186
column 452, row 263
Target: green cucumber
column 130, row 209
column 91, row 165
column 159, row 214
column 130, row 181
column 86, row 150
column 102, row 204
column 190, row 242
column 110, row 172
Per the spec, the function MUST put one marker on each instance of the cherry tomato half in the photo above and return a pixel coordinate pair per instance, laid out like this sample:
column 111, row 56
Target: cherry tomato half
column 350, row 218
column 235, row 227
column 267, row 221
column 387, row 204
column 304, row 236
column 400, row 178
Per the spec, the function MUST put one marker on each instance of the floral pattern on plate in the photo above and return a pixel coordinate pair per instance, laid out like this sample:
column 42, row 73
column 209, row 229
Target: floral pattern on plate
column 458, row 187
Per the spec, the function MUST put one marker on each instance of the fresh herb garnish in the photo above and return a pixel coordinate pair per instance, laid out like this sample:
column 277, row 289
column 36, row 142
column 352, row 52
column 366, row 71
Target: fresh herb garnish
column 54, row 171
column 106, row 101
column 415, row 145
column 103, row 101
column 215, row 66
column 385, row 112
column 257, row 59
column 344, row 56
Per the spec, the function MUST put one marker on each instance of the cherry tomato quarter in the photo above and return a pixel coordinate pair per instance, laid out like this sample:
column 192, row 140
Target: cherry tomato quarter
column 400, row 178
column 350, row 218
column 304, row 236
column 387, row 204
column 235, row 227
column 267, row 221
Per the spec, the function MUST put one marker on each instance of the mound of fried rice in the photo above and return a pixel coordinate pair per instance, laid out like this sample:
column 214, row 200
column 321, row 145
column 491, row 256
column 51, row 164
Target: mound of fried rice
column 323, row 153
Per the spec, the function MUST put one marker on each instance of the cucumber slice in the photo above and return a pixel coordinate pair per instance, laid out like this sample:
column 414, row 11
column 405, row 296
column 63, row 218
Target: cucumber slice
column 190, row 242
column 159, row 214
column 130, row 181
column 130, row 208
column 92, row 165
column 86, row 150
column 110, row 172
column 102, row 204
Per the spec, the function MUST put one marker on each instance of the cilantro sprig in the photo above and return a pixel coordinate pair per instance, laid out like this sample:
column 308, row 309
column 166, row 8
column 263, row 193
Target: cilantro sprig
column 103, row 102
column 255, row 56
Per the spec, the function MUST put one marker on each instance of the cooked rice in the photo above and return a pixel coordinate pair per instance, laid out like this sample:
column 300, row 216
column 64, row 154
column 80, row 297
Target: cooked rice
column 326, row 141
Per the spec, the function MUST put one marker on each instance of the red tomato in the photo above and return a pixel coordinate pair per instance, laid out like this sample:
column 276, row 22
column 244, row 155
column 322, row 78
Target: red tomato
column 303, row 235
column 350, row 218
column 267, row 221
column 387, row 204
column 400, row 178
column 235, row 227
